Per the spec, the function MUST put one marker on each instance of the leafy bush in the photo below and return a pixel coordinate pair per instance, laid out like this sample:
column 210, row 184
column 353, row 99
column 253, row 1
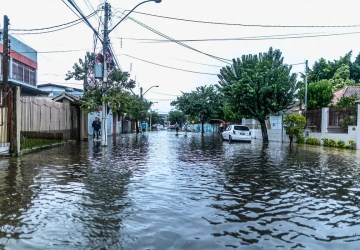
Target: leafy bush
column 340, row 144
column 300, row 139
column 312, row 141
column 325, row 141
column 352, row 144
column 332, row 143
column 294, row 124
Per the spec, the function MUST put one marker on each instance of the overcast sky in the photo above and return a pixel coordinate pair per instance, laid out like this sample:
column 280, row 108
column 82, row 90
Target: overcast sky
column 226, row 29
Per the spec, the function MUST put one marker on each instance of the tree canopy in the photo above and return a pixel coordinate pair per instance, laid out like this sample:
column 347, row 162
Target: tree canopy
column 256, row 86
column 204, row 103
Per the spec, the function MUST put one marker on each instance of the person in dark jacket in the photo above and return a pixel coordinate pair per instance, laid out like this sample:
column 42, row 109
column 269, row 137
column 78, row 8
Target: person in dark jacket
column 96, row 125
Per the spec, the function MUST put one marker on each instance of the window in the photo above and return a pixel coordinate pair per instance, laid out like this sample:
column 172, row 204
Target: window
column 23, row 73
column 241, row 128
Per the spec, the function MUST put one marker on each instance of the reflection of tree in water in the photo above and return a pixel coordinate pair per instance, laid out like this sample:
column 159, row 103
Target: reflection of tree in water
column 202, row 148
column 106, row 185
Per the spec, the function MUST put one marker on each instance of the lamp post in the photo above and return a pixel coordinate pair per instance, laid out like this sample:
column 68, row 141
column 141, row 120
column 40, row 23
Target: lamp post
column 105, row 44
column 141, row 90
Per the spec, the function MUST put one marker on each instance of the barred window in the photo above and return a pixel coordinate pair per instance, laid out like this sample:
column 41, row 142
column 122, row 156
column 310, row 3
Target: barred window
column 23, row 73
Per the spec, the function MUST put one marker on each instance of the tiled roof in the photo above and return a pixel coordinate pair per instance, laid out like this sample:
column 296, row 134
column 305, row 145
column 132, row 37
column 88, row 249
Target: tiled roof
column 346, row 91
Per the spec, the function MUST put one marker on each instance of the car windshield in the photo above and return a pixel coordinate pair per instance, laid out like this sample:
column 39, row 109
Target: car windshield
column 242, row 128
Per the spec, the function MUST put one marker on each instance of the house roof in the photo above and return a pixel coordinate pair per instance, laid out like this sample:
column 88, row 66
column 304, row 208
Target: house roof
column 60, row 86
column 27, row 89
column 73, row 99
column 346, row 91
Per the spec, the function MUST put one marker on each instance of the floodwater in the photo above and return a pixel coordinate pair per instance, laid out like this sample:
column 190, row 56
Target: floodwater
column 161, row 191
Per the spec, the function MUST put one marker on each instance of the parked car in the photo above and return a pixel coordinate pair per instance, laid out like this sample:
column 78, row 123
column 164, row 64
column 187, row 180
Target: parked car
column 237, row 132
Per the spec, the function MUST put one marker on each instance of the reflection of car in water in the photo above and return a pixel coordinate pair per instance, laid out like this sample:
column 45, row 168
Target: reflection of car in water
column 171, row 127
column 237, row 132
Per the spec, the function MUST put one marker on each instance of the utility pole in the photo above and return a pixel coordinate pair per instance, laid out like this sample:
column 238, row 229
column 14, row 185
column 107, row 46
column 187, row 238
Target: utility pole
column 306, row 85
column 105, row 75
column 6, row 58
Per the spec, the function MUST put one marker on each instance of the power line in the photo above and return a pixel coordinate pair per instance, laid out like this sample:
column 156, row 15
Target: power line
column 251, row 25
column 252, row 38
column 178, row 42
column 164, row 66
column 51, row 29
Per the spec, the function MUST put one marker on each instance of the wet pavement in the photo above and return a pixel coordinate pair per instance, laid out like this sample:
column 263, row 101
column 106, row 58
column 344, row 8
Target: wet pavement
column 161, row 191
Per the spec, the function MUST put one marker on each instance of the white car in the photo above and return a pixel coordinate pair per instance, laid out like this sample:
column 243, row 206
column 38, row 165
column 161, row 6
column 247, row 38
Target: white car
column 236, row 132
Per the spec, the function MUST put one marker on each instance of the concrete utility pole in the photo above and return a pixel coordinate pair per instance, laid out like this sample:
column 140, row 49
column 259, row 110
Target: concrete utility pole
column 106, row 55
column 105, row 75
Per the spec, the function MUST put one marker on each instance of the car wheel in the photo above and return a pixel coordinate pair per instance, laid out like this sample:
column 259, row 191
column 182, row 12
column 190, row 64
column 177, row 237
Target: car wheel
column 230, row 139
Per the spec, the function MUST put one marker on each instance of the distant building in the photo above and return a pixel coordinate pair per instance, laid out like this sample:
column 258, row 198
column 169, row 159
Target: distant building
column 55, row 90
column 346, row 91
column 22, row 67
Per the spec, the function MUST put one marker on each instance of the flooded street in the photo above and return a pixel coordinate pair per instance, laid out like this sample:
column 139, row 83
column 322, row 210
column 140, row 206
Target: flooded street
column 161, row 191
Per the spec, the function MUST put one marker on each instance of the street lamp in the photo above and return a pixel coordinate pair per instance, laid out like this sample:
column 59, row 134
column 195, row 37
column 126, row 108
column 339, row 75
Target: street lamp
column 141, row 90
column 105, row 44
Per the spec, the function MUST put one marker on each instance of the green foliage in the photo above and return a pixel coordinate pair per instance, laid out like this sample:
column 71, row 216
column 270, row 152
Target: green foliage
column 341, row 78
column 340, row 144
column 312, row 141
column 347, row 106
column 300, row 139
column 204, row 103
column 176, row 116
column 255, row 86
column 352, row 144
column 325, row 141
column 332, row 143
column 347, row 102
column 325, row 70
column 294, row 125
column 116, row 88
column 320, row 94
column 230, row 114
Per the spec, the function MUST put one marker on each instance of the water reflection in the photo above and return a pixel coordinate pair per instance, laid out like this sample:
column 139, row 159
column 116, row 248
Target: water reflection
column 161, row 191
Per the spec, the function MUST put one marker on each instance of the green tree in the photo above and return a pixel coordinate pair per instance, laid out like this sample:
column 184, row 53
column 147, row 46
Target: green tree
column 341, row 78
column 325, row 70
column 348, row 107
column 320, row 94
column 256, row 86
column 204, row 103
column 294, row 125
column 117, row 87
column 176, row 116
column 137, row 109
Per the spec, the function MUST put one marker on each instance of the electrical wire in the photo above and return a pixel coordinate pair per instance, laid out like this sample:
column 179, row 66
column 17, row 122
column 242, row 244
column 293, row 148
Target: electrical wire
column 164, row 66
column 47, row 29
column 251, row 25
column 178, row 42
column 252, row 38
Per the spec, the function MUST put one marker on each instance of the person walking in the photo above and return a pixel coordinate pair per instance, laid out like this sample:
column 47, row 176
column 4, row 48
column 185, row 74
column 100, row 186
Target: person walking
column 186, row 128
column 96, row 125
column 177, row 128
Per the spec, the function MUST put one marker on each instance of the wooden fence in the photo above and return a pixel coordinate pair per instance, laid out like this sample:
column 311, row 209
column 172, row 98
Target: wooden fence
column 46, row 118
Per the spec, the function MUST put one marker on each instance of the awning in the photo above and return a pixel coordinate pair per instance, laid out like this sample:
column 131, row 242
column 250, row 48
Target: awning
column 213, row 121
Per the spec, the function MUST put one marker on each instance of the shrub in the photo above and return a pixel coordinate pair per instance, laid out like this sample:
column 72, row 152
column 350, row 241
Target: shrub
column 325, row 141
column 340, row 144
column 352, row 144
column 294, row 125
column 312, row 141
column 332, row 143
column 300, row 139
